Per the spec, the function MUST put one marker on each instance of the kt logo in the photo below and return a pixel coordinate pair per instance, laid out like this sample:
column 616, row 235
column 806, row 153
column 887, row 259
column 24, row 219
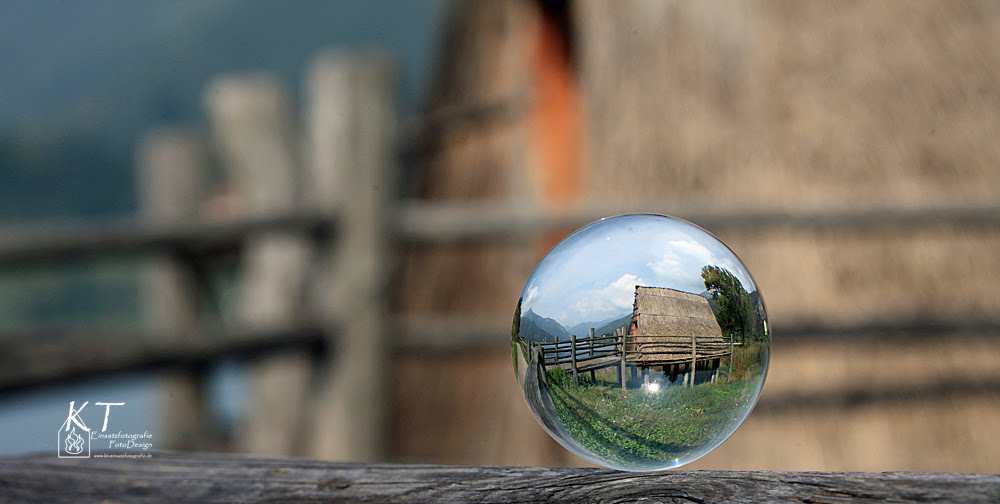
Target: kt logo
column 73, row 437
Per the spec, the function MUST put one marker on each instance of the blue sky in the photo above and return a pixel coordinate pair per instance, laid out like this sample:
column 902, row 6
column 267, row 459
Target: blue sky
column 592, row 274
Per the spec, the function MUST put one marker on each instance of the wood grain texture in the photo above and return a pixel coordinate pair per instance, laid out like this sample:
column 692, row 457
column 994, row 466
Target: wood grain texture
column 227, row 478
column 172, row 168
column 252, row 120
column 351, row 171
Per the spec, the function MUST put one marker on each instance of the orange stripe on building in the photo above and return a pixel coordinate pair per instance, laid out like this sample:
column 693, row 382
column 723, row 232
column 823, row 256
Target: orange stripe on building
column 556, row 120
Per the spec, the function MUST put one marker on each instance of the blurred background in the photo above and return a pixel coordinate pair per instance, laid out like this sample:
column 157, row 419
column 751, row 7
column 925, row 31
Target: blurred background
column 302, row 229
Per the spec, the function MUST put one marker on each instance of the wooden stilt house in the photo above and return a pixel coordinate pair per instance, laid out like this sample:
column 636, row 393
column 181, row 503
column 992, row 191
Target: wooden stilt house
column 670, row 326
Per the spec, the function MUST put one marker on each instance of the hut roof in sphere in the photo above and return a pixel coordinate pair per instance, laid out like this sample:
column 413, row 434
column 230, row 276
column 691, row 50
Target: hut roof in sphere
column 660, row 311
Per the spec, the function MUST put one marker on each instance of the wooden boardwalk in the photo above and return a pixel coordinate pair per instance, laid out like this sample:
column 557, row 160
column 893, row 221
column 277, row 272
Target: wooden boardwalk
column 193, row 477
column 670, row 352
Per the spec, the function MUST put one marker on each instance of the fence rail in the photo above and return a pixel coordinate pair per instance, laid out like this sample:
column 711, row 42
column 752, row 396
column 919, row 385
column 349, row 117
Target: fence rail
column 46, row 357
column 475, row 221
column 54, row 243
column 34, row 358
column 456, row 333
column 434, row 222
column 584, row 355
column 27, row 360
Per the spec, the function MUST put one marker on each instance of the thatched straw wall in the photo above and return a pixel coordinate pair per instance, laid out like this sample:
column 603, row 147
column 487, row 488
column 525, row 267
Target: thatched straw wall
column 759, row 106
column 665, row 323
column 439, row 413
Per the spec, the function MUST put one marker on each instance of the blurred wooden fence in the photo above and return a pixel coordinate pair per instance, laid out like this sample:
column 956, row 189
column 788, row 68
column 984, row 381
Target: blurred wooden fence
column 314, row 220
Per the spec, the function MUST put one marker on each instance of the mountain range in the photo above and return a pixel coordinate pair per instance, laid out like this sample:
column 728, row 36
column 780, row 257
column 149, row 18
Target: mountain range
column 583, row 328
column 535, row 327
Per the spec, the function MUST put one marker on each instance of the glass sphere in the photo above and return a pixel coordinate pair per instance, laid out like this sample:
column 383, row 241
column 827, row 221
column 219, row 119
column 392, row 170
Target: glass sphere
column 641, row 342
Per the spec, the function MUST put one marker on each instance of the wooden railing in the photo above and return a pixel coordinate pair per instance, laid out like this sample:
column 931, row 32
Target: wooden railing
column 581, row 355
column 43, row 357
column 580, row 350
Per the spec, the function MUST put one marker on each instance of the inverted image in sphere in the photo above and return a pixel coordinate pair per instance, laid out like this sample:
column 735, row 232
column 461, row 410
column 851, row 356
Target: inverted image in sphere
column 641, row 342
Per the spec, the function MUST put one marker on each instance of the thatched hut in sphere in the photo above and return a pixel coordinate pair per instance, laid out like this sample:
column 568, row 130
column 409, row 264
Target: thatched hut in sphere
column 670, row 326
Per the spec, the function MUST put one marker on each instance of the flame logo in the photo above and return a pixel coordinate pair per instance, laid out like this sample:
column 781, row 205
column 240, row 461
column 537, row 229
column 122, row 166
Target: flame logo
column 74, row 443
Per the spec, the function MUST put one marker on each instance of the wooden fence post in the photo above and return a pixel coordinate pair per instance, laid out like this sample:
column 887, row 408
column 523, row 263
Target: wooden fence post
column 540, row 353
column 621, row 365
column 731, row 355
column 252, row 121
column 351, row 171
column 572, row 357
column 557, row 350
column 694, row 359
column 593, row 378
column 171, row 173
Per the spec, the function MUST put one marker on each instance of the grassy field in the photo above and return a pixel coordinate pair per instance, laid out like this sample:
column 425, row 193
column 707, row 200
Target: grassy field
column 640, row 429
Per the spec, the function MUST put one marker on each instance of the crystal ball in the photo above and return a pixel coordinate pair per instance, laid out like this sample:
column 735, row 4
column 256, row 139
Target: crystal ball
column 640, row 342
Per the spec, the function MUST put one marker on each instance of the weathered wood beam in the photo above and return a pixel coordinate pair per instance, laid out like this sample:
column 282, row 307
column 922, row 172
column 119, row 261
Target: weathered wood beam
column 192, row 477
column 477, row 221
column 172, row 177
column 890, row 330
column 444, row 222
column 352, row 172
column 475, row 334
column 451, row 333
column 252, row 120
column 950, row 389
column 34, row 358
column 54, row 243
column 51, row 357
column 421, row 136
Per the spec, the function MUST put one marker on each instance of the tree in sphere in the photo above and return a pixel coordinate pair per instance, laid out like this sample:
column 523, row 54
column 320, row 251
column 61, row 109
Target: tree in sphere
column 734, row 309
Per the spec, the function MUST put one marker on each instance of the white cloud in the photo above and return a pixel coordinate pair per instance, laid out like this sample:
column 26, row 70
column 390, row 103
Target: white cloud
column 678, row 259
column 680, row 264
column 610, row 300
column 529, row 298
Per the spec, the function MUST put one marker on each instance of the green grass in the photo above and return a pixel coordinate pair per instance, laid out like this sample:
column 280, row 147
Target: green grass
column 637, row 428
column 749, row 360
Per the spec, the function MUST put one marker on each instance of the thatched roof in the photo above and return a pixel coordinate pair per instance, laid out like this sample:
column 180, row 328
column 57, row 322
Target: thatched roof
column 667, row 312
column 667, row 319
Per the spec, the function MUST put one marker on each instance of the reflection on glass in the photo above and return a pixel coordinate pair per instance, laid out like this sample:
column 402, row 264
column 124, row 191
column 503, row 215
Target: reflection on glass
column 641, row 342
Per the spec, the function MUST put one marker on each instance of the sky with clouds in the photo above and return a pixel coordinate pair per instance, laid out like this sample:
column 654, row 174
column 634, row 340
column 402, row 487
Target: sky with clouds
column 592, row 274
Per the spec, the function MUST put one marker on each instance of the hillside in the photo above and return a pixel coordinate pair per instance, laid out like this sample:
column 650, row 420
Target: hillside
column 583, row 328
column 613, row 325
column 534, row 327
